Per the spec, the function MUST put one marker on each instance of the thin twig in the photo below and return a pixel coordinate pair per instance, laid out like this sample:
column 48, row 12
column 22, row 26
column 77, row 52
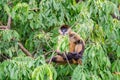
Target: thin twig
column 8, row 24
column 117, row 73
column 34, row 9
column 68, row 61
column 4, row 57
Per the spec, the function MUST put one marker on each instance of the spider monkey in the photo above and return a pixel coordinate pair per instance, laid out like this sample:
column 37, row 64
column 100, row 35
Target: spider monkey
column 76, row 47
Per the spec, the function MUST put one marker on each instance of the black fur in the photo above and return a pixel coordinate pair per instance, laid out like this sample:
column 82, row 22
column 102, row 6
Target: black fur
column 71, row 56
column 78, row 42
column 54, row 59
column 64, row 28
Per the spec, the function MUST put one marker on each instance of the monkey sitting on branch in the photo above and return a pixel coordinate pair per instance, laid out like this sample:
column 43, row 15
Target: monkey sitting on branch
column 76, row 48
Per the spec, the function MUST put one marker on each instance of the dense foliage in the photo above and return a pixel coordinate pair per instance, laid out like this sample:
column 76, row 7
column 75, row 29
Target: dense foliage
column 35, row 24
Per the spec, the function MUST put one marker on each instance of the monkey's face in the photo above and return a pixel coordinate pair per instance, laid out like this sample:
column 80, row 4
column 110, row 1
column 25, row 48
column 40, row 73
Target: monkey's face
column 64, row 30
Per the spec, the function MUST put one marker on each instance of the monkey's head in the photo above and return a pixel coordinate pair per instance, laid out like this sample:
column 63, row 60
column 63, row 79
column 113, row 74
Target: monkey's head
column 64, row 29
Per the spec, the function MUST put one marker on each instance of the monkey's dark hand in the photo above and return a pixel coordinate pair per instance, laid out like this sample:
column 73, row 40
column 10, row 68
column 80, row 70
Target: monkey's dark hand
column 71, row 56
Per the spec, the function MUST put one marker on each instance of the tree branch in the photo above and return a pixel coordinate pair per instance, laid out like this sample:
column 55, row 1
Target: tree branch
column 24, row 50
column 9, row 22
column 27, row 53
column 3, row 27
column 34, row 9
column 117, row 73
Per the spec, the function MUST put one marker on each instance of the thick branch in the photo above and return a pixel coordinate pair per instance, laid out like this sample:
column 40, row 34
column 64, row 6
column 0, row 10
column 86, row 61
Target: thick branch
column 3, row 27
column 24, row 50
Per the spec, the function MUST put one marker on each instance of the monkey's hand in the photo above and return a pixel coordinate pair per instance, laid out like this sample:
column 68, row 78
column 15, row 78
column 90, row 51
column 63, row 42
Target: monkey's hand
column 71, row 56
column 58, row 52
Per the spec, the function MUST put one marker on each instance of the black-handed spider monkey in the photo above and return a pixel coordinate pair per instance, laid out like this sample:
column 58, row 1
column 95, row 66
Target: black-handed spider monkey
column 76, row 47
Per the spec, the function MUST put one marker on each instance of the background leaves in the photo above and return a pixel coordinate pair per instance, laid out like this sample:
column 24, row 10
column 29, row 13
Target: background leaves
column 35, row 24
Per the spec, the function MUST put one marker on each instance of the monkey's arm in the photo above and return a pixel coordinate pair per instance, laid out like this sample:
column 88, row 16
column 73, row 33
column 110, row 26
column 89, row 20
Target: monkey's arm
column 71, row 47
column 57, row 59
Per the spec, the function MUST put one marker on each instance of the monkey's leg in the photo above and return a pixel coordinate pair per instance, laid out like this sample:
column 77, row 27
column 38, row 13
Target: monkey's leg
column 57, row 59
column 72, row 58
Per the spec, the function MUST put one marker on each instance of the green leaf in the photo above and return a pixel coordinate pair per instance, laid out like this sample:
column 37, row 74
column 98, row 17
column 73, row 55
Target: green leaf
column 44, row 72
column 7, row 9
column 118, row 51
column 30, row 16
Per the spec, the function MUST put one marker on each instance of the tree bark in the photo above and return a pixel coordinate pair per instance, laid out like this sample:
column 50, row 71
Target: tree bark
column 24, row 49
